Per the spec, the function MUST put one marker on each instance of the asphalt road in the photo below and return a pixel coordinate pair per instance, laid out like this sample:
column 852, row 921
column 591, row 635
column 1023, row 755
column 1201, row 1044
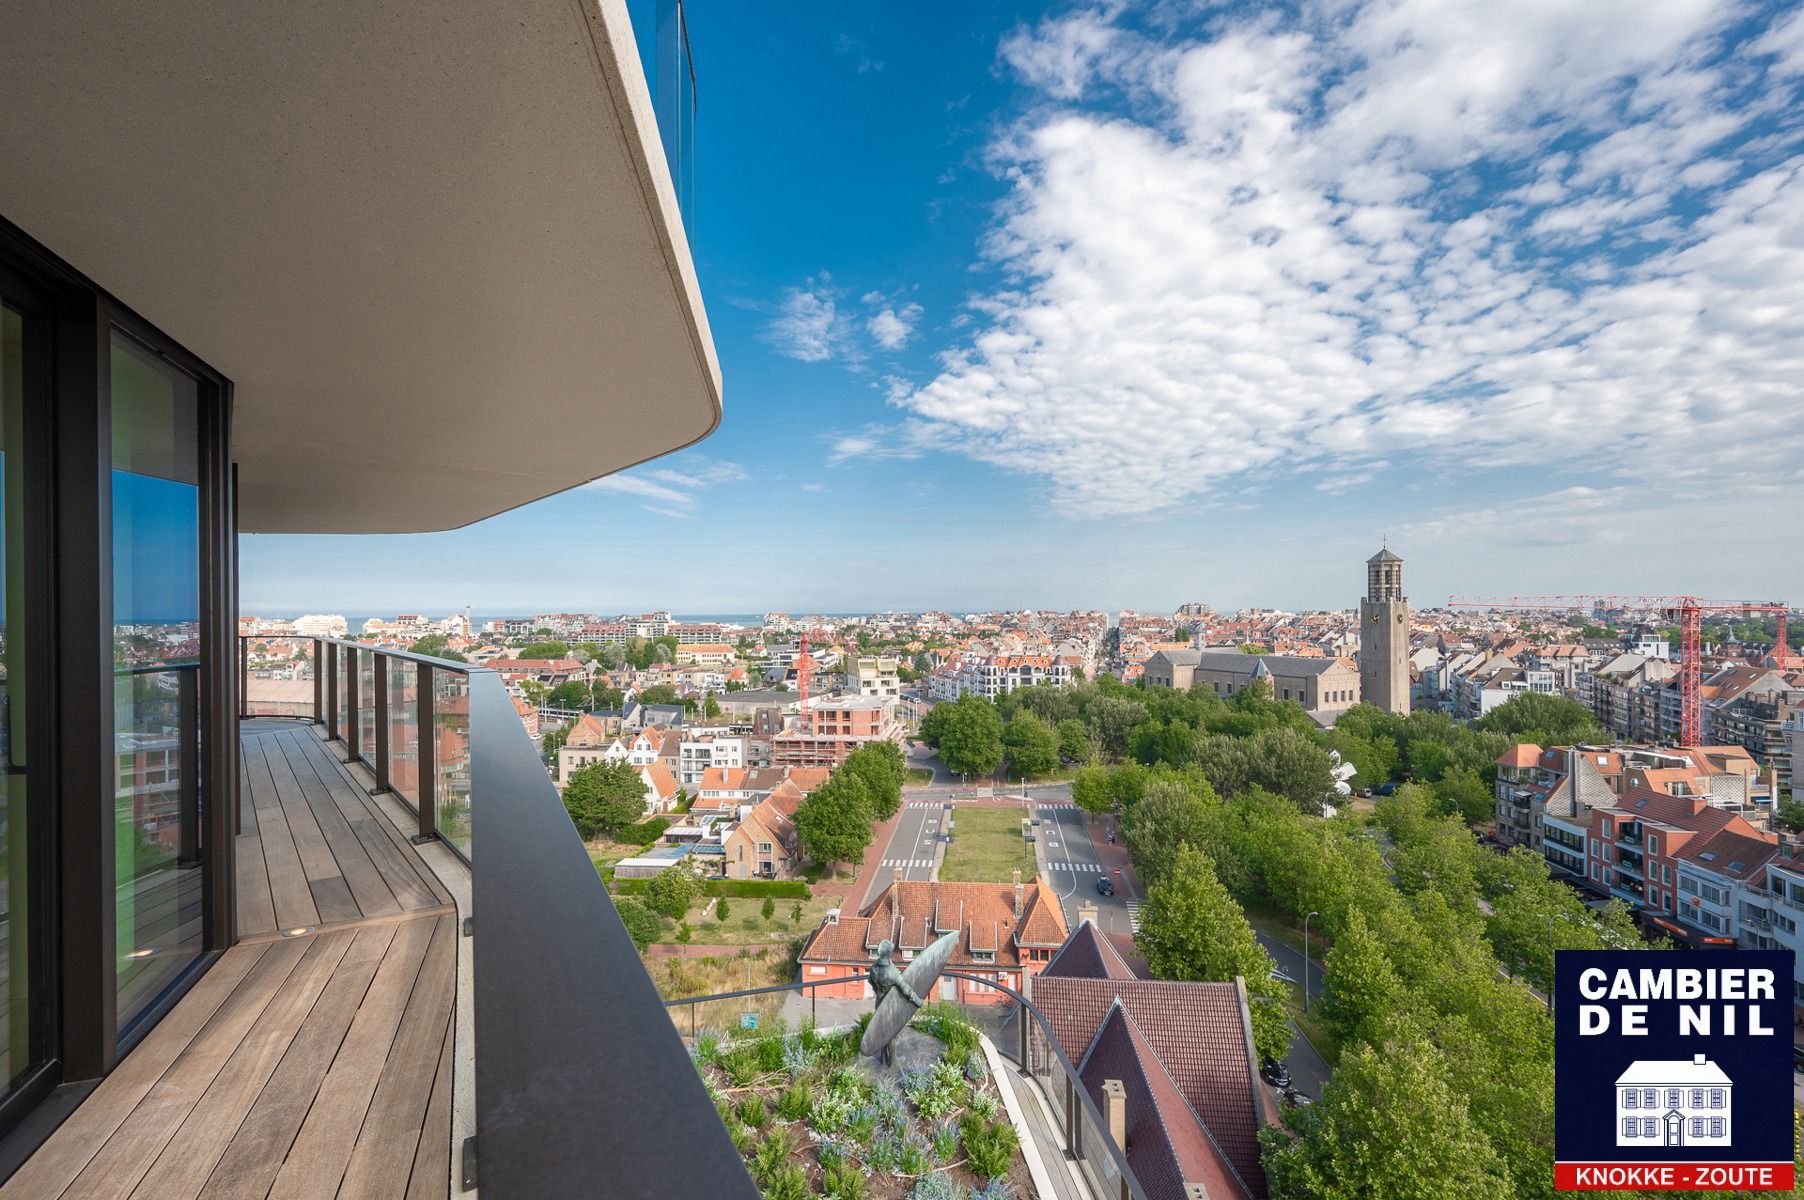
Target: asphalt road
column 911, row 846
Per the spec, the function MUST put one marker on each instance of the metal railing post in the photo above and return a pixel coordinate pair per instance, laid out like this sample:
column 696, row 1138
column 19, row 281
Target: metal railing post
column 379, row 685
column 188, row 765
column 331, row 664
column 428, row 757
column 244, row 677
column 353, row 715
column 319, row 684
column 1074, row 1122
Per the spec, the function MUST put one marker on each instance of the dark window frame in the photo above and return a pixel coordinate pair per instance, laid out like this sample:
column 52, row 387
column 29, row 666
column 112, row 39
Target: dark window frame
column 71, row 750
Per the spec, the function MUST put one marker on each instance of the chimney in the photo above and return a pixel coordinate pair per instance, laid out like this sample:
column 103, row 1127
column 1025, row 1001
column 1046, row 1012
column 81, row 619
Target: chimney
column 1114, row 1111
column 1195, row 1191
column 1020, row 894
column 1087, row 912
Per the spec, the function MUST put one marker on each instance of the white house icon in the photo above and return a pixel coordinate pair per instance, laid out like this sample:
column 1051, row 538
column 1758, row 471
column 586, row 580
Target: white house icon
column 1663, row 1102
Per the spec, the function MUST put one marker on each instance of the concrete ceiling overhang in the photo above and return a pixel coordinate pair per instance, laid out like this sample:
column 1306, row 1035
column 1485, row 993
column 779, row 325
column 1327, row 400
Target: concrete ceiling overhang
column 435, row 247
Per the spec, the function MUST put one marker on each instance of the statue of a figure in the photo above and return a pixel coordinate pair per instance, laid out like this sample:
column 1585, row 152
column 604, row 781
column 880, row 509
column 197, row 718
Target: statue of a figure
column 885, row 976
column 898, row 993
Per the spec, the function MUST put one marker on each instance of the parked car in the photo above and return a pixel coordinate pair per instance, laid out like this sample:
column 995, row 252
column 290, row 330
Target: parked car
column 1274, row 1073
column 1103, row 886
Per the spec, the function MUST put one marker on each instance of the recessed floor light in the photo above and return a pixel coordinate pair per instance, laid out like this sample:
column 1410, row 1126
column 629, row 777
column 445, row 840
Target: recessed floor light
column 147, row 952
column 298, row 931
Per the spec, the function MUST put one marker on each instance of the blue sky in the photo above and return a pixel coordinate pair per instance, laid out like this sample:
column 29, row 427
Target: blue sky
column 1127, row 305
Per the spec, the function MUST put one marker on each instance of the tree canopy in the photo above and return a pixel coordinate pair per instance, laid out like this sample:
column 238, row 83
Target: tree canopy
column 969, row 736
column 882, row 768
column 1031, row 746
column 833, row 822
column 603, row 797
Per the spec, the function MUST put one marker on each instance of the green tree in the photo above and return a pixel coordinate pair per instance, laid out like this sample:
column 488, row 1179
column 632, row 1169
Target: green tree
column 1075, row 743
column 722, row 910
column 1543, row 718
column 769, row 909
column 1790, row 816
column 534, row 691
column 545, row 649
column 833, row 822
column 1031, row 746
column 971, row 739
column 1170, row 818
column 554, row 741
column 572, row 693
column 1367, row 1136
column 603, row 797
column 642, row 924
column 1091, row 792
column 1463, row 793
column 436, row 645
column 1192, row 929
column 671, row 891
column 882, row 768
column 1359, row 985
column 1112, row 719
column 659, row 693
column 711, row 709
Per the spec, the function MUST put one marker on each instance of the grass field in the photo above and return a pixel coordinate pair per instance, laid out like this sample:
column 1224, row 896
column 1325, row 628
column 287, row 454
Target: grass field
column 988, row 846
column 919, row 777
column 745, row 924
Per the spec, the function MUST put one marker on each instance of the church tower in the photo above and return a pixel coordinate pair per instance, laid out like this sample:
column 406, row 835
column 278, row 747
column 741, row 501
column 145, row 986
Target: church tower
column 1384, row 635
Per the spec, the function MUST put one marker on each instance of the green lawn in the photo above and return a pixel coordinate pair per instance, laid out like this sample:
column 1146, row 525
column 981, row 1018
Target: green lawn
column 919, row 776
column 988, row 847
column 745, row 924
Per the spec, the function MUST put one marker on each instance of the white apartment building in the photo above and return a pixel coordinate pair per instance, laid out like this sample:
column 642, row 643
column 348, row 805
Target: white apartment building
column 1782, row 902
column 874, row 675
column 320, row 625
column 702, row 750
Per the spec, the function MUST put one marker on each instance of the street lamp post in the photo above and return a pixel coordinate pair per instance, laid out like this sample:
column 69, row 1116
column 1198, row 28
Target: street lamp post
column 1306, row 958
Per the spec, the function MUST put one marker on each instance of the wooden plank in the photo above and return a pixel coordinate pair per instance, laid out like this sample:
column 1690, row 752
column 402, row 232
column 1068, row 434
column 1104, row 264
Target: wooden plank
column 330, row 891
column 61, row 1159
column 287, row 881
column 390, row 1139
column 414, row 884
column 262, row 1141
column 431, row 1178
column 316, row 1162
column 118, row 1165
column 256, row 906
column 364, row 922
column 247, row 812
column 186, row 1162
column 368, row 887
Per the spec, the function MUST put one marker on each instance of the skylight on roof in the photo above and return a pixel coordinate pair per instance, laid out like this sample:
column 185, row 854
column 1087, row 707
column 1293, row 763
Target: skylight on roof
column 1737, row 865
column 1707, row 856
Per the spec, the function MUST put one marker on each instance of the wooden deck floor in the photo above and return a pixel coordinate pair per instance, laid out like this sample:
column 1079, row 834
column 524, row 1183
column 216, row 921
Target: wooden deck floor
column 316, row 1065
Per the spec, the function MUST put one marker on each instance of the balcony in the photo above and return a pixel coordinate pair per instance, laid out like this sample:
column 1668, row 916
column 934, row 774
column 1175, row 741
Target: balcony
column 367, row 1035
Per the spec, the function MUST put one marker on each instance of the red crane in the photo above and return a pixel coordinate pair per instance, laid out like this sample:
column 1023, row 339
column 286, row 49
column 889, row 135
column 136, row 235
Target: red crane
column 804, row 664
column 1686, row 611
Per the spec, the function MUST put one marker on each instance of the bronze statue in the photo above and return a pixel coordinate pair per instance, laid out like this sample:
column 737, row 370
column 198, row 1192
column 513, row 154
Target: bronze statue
column 898, row 993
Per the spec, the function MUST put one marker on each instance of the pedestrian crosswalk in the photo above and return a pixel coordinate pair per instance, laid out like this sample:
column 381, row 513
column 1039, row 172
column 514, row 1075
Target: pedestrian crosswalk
column 1082, row 868
column 1133, row 916
column 908, row 862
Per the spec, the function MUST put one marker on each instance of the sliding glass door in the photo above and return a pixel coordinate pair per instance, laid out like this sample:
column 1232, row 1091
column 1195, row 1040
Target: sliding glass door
column 22, row 1036
column 158, row 662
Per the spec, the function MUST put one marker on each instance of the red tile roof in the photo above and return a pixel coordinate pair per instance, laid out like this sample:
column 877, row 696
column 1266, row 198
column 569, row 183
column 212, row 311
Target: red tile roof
column 1201, row 1034
column 1168, row 1144
column 985, row 914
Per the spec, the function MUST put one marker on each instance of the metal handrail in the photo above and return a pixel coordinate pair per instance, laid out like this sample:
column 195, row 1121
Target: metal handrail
column 580, row 1075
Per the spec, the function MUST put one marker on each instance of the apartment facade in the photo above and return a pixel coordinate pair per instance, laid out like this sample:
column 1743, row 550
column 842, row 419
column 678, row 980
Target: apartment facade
column 829, row 728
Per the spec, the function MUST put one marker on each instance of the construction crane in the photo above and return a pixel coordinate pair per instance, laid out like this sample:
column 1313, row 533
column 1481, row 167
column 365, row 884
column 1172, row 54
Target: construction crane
column 804, row 664
column 1685, row 611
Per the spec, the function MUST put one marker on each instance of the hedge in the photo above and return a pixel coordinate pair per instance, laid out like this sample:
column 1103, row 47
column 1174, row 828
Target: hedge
column 642, row 834
column 785, row 889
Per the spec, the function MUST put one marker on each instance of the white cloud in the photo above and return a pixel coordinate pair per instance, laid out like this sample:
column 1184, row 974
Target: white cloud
column 809, row 325
column 908, row 440
column 673, row 490
column 813, row 487
column 892, row 327
column 1446, row 236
